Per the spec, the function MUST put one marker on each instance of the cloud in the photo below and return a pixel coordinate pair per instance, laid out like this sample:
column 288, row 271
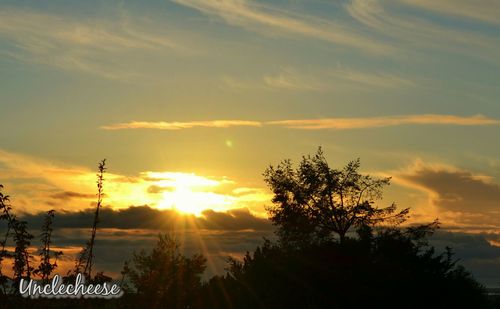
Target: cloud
column 161, row 125
column 290, row 79
column 417, row 32
column 148, row 218
column 88, row 45
column 317, row 124
column 388, row 121
column 474, row 251
column 68, row 195
column 217, row 235
column 38, row 185
column 266, row 19
column 369, row 80
column 221, row 234
column 454, row 189
column 481, row 10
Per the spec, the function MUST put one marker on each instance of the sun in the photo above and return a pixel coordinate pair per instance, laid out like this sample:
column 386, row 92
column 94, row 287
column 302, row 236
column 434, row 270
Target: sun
column 191, row 194
column 191, row 202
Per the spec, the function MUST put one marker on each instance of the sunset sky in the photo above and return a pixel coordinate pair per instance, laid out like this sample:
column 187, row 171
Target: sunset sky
column 190, row 101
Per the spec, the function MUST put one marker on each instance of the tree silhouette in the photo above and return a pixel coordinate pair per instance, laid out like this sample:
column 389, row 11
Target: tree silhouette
column 164, row 278
column 315, row 201
column 18, row 230
column 90, row 252
column 393, row 268
column 47, row 266
column 5, row 216
column 84, row 260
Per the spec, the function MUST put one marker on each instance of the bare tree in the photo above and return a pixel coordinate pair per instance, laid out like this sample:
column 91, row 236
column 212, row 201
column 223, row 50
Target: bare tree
column 84, row 261
column 90, row 252
column 47, row 266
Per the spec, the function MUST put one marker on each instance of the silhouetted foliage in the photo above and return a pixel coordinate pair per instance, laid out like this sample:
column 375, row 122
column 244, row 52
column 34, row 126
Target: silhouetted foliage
column 164, row 278
column 18, row 230
column 315, row 201
column 4, row 216
column 47, row 266
column 390, row 269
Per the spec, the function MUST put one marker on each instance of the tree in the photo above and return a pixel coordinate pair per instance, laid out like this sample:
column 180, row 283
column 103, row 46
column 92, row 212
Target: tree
column 90, row 255
column 392, row 268
column 18, row 230
column 47, row 266
column 315, row 201
column 164, row 278
column 84, row 260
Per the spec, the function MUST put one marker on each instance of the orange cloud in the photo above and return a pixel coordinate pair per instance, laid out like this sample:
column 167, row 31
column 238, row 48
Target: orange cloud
column 457, row 197
column 162, row 125
column 316, row 124
column 47, row 185
column 389, row 121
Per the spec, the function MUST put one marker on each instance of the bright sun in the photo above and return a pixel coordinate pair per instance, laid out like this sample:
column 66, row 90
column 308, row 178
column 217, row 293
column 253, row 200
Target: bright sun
column 190, row 193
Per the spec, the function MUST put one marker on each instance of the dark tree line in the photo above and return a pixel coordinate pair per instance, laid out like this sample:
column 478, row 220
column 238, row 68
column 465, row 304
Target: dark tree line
column 335, row 248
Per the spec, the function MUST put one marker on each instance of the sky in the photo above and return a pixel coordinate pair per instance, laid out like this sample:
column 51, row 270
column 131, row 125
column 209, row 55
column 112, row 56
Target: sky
column 190, row 100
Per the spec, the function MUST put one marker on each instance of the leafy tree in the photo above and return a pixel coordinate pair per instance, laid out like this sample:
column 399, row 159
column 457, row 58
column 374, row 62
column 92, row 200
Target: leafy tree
column 314, row 202
column 164, row 278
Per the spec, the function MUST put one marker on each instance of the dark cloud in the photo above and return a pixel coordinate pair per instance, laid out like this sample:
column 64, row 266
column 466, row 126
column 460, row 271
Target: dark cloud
column 68, row 195
column 457, row 190
column 157, row 189
column 475, row 252
column 144, row 217
column 217, row 235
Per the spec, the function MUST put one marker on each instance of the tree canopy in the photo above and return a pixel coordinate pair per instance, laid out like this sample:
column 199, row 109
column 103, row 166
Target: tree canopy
column 314, row 201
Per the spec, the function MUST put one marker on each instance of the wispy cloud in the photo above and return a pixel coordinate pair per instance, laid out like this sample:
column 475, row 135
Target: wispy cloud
column 290, row 79
column 389, row 121
column 317, row 124
column 264, row 18
column 90, row 46
column 371, row 80
column 325, row 80
column 162, row 125
column 419, row 32
column 482, row 10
